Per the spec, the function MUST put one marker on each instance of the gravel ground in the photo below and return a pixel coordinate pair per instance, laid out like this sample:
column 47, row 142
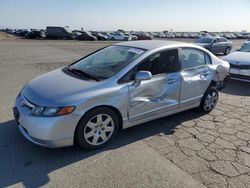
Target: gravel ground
column 188, row 149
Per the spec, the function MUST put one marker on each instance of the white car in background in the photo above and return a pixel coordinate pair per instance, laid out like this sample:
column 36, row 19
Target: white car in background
column 170, row 35
column 133, row 37
column 120, row 36
column 161, row 35
column 240, row 63
column 202, row 35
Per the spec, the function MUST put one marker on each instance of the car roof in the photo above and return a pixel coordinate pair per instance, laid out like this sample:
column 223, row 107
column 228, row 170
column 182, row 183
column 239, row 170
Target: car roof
column 209, row 37
column 149, row 44
column 153, row 44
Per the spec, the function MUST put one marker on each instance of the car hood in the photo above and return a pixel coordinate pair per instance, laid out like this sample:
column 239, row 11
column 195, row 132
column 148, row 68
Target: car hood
column 239, row 58
column 57, row 88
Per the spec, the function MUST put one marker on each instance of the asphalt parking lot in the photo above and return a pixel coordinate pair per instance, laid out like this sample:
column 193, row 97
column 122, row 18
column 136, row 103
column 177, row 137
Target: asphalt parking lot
column 188, row 149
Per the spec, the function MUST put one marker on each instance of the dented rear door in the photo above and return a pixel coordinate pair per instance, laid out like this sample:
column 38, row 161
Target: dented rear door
column 196, row 77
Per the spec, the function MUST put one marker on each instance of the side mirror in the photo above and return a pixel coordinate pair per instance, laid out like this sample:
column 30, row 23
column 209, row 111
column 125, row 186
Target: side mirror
column 142, row 75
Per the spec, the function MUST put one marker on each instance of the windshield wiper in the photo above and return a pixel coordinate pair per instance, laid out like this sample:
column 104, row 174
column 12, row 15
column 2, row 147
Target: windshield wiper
column 81, row 72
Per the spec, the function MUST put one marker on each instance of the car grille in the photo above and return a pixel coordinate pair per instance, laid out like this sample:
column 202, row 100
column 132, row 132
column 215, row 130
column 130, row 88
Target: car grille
column 239, row 66
column 241, row 77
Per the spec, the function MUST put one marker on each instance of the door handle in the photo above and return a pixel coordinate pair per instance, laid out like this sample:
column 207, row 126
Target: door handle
column 205, row 74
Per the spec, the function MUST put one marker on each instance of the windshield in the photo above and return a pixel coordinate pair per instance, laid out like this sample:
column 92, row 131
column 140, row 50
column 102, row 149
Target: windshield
column 108, row 61
column 245, row 48
column 68, row 30
column 204, row 40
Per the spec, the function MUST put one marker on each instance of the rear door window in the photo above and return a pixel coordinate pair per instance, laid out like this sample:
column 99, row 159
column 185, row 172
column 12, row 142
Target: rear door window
column 223, row 40
column 192, row 58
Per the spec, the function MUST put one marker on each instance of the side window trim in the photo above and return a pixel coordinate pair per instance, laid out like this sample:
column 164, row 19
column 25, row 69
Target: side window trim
column 209, row 57
column 120, row 81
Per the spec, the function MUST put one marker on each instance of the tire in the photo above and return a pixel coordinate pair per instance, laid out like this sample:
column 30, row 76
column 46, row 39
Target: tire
column 209, row 100
column 112, row 38
column 222, row 84
column 91, row 135
column 227, row 51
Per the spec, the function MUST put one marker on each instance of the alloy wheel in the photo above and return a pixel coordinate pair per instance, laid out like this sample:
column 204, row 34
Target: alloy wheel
column 210, row 101
column 99, row 129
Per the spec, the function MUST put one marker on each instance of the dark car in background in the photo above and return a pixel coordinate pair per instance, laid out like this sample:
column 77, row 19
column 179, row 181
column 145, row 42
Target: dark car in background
column 35, row 34
column 143, row 36
column 21, row 32
column 58, row 33
column 99, row 35
column 215, row 44
column 84, row 35
column 10, row 31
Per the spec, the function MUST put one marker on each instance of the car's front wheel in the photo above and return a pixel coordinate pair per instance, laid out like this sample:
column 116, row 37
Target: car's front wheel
column 97, row 128
column 227, row 51
column 209, row 100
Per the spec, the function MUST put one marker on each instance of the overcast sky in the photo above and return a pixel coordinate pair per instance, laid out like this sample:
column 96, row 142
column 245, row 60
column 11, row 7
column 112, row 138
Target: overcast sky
column 149, row 15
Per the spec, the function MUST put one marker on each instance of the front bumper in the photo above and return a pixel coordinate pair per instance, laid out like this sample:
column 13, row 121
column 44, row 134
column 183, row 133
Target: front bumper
column 240, row 77
column 45, row 143
column 242, row 74
column 50, row 132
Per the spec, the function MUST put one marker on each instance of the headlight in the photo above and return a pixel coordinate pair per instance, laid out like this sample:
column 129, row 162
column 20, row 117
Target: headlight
column 52, row 111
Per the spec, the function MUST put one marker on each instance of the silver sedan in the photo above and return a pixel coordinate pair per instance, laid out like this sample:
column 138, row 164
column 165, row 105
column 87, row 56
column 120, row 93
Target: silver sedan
column 117, row 87
column 240, row 63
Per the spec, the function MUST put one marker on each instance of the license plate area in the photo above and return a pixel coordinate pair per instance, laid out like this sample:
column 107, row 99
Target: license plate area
column 234, row 71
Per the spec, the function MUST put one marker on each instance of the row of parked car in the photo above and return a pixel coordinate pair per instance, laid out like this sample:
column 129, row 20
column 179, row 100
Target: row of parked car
column 227, row 35
column 52, row 32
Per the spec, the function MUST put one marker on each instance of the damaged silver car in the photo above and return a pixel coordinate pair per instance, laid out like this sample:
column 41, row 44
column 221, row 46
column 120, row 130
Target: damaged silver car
column 117, row 87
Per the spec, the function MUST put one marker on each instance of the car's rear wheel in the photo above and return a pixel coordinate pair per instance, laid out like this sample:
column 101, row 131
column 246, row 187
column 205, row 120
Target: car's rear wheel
column 227, row 51
column 97, row 128
column 209, row 100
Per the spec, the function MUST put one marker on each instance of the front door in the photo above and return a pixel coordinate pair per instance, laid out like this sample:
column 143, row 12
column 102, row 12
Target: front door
column 196, row 76
column 160, row 94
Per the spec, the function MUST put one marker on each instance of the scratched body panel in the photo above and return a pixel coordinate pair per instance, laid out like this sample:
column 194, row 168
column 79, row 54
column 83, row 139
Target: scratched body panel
column 161, row 93
column 194, row 83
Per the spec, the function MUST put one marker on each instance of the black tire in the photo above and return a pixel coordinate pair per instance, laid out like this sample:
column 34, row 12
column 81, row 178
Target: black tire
column 204, row 106
column 222, row 84
column 81, row 127
column 227, row 51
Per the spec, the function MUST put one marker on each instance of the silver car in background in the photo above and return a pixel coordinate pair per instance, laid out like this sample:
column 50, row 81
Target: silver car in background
column 117, row 87
column 240, row 63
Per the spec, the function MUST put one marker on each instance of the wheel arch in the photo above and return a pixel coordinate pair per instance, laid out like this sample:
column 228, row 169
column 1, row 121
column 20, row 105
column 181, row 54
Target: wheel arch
column 119, row 115
column 213, row 84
